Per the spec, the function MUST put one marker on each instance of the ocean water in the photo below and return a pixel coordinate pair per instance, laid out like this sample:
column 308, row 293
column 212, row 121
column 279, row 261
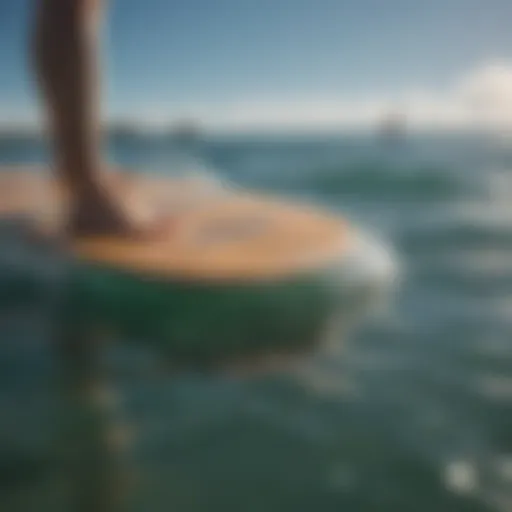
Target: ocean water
column 412, row 413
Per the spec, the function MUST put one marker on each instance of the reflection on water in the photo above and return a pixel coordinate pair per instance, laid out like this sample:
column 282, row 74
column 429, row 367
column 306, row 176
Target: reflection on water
column 411, row 412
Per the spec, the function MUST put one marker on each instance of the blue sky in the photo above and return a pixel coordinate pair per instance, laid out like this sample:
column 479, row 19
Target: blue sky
column 266, row 61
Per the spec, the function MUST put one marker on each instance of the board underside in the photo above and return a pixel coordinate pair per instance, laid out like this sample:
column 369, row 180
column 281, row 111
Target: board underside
column 237, row 274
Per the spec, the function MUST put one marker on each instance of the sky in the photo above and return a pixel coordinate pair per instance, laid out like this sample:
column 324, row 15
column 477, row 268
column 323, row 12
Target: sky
column 242, row 64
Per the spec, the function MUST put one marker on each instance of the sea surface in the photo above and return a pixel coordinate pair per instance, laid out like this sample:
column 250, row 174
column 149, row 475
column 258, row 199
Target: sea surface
column 413, row 413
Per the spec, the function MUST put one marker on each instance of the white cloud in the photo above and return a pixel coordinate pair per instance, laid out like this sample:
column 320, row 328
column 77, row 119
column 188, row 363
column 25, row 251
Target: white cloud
column 490, row 84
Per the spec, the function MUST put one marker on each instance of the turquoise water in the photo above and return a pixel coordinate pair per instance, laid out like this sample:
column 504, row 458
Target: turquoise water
column 412, row 413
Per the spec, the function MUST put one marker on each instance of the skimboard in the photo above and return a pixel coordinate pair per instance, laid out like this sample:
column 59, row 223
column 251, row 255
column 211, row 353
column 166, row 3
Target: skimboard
column 236, row 274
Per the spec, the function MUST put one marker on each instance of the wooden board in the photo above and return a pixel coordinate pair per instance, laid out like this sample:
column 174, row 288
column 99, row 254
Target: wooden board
column 215, row 234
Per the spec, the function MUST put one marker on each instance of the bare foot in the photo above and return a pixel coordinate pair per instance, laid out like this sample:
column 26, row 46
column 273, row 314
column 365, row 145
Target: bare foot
column 106, row 212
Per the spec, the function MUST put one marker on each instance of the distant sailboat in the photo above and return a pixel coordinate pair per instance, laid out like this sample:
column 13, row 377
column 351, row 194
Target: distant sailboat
column 392, row 127
column 124, row 131
column 185, row 132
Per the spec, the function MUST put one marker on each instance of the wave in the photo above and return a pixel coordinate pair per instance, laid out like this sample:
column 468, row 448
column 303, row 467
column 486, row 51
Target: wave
column 462, row 235
column 377, row 181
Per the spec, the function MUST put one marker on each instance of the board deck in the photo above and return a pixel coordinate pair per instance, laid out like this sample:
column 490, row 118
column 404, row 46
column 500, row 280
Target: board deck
column 213, row 233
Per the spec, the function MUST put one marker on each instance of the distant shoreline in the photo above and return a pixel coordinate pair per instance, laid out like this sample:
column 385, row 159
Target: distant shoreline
column 134, row 133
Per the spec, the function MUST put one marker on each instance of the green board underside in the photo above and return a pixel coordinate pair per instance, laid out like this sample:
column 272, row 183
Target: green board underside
column 200, row 321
